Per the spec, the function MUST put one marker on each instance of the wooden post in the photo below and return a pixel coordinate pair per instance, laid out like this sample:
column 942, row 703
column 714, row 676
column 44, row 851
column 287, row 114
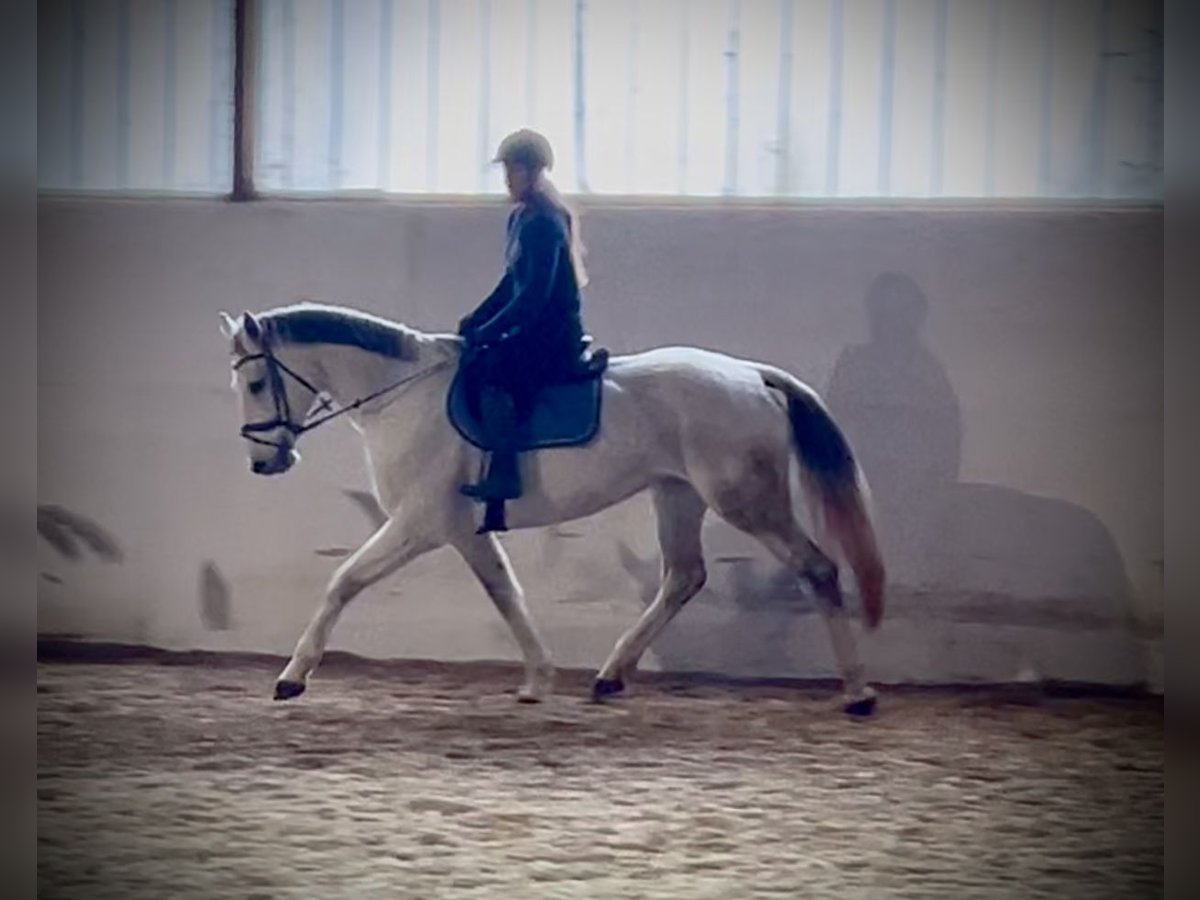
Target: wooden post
column 245, row 87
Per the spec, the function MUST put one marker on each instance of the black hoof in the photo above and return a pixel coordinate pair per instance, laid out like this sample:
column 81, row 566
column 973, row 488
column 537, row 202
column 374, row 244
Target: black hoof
column 286, row 690
column 860, row 708
column 607, row 687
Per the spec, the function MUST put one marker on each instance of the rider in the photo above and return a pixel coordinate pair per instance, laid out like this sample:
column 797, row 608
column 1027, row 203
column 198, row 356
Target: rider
column 529, row 331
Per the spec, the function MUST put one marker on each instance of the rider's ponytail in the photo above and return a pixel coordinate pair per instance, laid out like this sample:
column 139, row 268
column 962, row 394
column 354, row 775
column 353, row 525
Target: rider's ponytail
column 549, row 194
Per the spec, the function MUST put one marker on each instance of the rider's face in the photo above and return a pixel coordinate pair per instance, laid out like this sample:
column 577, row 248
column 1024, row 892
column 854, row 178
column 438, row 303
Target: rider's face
column 518, row 179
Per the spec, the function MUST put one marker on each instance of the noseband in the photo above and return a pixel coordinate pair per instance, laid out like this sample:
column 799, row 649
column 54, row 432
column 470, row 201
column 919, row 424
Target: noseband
column 276, row 369
column 283, row 413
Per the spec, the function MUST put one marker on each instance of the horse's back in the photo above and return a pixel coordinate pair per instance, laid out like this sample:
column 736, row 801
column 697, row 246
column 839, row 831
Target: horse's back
column 685, row 375
column 676, row 397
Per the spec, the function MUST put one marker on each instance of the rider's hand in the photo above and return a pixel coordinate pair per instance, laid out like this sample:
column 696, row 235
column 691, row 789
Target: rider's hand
column 492, row 338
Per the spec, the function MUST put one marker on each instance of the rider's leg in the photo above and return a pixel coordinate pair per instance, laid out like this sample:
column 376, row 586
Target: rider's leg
column 499, row 418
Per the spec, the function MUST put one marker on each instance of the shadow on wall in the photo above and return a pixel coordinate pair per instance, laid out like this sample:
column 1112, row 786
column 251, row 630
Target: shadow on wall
column 70, row 533
column 75, row 539
column 894, row 400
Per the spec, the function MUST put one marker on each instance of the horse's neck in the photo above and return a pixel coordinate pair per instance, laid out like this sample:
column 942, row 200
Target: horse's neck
column 350, row 373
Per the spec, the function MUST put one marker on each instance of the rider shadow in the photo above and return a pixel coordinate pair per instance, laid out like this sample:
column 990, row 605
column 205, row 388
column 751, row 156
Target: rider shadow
column 983, row 548
column 894, row 401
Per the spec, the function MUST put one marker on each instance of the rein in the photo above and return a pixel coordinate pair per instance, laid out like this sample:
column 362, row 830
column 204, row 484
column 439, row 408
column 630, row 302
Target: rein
column 276, row 369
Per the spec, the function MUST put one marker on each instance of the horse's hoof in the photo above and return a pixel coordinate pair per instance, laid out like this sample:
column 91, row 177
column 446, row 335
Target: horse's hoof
column 607, row 687
column 538, row 684
column 286, row 690
column 860, row 708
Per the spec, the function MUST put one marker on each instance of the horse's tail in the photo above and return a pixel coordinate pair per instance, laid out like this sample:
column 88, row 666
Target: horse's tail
column 834, row 486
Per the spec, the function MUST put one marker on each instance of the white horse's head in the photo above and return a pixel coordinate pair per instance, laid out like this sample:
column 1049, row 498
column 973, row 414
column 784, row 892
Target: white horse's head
column 274, row 399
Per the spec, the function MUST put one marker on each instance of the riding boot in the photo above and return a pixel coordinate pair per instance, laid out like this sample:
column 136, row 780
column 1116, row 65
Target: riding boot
column 503, row 479
column 503, row 482
column 493, row 517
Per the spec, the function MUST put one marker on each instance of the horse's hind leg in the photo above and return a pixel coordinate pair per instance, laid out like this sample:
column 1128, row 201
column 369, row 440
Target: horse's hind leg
column 680, row 514
column 491, row 566
column 758, row 502
column 794, row 549
column 385, row 551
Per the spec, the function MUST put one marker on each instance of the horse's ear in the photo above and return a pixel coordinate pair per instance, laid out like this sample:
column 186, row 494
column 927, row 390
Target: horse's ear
column 229, row 324
column 250, row 326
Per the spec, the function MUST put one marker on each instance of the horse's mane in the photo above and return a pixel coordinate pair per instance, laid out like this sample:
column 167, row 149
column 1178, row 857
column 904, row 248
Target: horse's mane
column 317, row 323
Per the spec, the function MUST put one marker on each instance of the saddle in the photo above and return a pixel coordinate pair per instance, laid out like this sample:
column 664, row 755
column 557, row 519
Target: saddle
column 564, row 413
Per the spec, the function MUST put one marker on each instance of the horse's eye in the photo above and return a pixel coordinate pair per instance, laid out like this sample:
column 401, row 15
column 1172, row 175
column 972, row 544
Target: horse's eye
column 256, row 387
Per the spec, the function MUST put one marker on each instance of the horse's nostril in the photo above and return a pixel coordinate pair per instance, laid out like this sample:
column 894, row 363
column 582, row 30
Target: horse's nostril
column 257, row 466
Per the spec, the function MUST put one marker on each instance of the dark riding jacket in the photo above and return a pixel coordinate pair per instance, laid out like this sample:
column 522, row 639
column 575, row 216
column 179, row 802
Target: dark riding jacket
column 534, row 312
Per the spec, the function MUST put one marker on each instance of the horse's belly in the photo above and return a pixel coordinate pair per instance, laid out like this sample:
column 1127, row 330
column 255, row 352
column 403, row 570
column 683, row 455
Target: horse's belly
column 566, row 484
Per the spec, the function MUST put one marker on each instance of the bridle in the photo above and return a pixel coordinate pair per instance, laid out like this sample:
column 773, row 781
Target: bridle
column 276, row 369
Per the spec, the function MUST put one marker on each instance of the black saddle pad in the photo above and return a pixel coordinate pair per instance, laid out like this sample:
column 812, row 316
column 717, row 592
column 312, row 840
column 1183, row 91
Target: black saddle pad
column 564, row 415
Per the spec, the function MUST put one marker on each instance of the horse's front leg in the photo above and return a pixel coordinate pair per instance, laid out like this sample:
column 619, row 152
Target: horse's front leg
column 398, row 541
column 491, row 566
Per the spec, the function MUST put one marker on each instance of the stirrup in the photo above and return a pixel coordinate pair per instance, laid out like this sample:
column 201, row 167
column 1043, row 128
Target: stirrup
column 499, row 482
column 486, row 491
column 474, row 491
